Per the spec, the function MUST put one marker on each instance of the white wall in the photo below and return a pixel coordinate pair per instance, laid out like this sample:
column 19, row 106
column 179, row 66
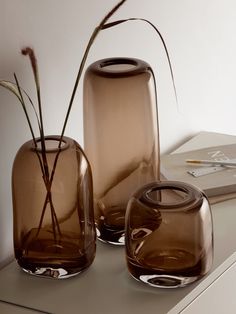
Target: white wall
column 201, row 39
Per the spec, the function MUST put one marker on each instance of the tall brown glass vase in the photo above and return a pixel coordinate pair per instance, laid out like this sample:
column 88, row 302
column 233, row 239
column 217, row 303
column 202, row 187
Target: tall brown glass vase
column 120, row 137
column 54, row 230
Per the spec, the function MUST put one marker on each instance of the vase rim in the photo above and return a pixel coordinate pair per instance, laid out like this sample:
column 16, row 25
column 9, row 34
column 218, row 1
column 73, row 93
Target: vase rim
column 52, row 143
column 190, row 196
column 119, row 67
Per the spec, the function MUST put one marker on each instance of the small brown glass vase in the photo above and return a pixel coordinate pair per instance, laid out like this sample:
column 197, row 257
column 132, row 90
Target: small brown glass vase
column 169, row 235
column 120, row 138
column 54, row 230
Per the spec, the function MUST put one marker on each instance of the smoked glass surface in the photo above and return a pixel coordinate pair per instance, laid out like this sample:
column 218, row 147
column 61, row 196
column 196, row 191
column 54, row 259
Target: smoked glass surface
column 169, row 235
column 54, row 230
column 120, row 138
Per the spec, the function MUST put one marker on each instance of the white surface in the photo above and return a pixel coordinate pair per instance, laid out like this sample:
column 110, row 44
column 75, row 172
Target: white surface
column 206, row 139
column 215, row 294
column 7, row 308
column 106, row 286
column 201, row 44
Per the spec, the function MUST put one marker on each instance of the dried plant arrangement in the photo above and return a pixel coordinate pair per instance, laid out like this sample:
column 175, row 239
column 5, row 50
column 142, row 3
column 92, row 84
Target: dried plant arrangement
column 25, row 100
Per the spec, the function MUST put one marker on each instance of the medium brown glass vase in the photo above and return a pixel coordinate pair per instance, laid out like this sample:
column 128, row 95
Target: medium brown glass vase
column 120, row 137
column 54, row 230
column 169, row 234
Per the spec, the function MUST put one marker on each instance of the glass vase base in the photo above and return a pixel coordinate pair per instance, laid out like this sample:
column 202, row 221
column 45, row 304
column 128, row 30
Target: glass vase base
column 120, row 243
column 57, row 269
column 48, row 272
column 165, row 281
column 111, row 236
column 169, row 271
column 110, row 226
column 44, row 256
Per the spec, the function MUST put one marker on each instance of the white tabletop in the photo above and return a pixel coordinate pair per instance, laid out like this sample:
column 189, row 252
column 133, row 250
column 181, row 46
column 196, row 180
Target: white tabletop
column 106, row 287
column 215, row 294
column 7, row 308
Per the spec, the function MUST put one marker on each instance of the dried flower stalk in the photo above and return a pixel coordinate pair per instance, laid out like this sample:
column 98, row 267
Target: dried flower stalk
column 19, row 93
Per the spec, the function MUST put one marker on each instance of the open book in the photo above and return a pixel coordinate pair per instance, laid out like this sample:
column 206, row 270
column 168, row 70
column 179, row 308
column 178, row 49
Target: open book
column 220, row 182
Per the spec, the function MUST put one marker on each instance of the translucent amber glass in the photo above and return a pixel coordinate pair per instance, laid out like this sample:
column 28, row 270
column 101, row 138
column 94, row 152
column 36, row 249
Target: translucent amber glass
column 169, row 236
column 54, row 233
column 120, row 137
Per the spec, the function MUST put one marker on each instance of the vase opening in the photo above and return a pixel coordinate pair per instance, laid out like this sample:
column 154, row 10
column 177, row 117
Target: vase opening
column 171, row 197
column 118, row 65
column 52, row 144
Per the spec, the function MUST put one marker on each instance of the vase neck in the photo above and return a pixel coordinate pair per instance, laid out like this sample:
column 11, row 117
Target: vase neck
column 53, row 143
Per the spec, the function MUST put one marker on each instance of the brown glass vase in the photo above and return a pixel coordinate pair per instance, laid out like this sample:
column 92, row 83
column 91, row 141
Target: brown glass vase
column 54, row 230
column 120, row 137
column 169, row 234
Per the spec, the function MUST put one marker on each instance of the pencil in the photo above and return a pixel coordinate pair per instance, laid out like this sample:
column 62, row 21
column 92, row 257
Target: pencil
column 230, row 162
